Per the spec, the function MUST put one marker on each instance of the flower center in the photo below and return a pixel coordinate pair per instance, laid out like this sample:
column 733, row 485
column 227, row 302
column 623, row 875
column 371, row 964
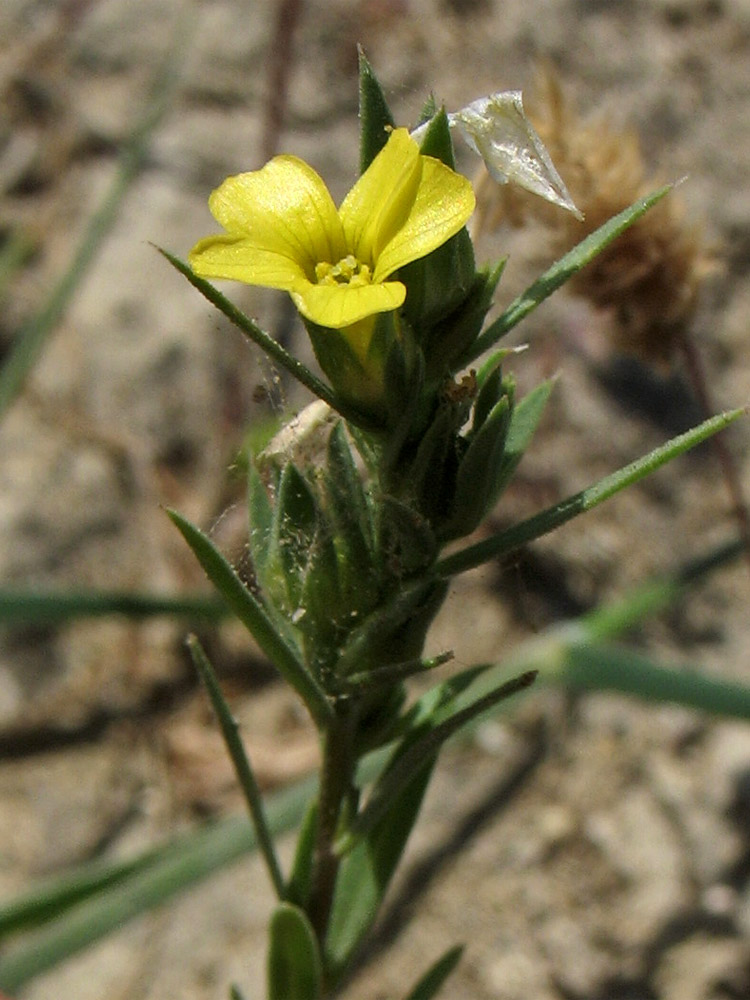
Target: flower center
column 348, row 271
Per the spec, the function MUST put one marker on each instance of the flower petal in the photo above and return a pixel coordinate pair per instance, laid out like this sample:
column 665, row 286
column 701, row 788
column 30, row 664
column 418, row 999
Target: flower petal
column 240, row 259
column 443, row 204
column 380, row 201
column 284, row 208
column 337, row 306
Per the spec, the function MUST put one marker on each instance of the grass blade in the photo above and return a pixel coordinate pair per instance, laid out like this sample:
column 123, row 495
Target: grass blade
column 180, row 864
column 30, row 340
column 49, row 608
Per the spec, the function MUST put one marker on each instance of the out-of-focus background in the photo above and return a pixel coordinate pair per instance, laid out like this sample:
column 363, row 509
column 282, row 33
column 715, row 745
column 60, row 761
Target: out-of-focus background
column 604, row 844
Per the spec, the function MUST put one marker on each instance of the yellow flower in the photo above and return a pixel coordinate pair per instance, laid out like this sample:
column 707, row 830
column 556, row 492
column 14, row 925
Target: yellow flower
column 283, row 230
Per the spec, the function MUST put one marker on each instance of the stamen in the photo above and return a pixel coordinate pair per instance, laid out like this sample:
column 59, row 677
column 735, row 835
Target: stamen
column 348, row 271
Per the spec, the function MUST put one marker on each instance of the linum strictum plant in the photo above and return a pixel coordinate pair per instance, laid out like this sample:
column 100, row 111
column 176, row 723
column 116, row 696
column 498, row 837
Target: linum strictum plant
column 420, row 432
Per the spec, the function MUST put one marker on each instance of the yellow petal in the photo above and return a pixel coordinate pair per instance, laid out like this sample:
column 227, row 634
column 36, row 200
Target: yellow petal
column 380, row 201
column 443, row 204
column 337, row 306
column 285, row 209
column 239, row 259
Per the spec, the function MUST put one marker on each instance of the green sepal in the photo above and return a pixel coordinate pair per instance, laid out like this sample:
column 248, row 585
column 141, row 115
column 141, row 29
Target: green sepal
column 524, row 421
column 432, row 981
column 300, row 879
column 324, row 615
column 428, row 110
column 294, row 965
column 360, row 383
column 365, row 874
column 404, row 383
column 437, row 141
column 432, row 473
column 296, row 525
column 490, row 388
column 351, row 518
column 479, row 472
column 452, row 336
column 375, row 118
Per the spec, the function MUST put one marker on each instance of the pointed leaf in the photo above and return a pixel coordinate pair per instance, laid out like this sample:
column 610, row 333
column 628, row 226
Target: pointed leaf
column 294, row 966
column 296, row 522
column 255, row 618
column 265, row 341
column 547, row 520
column 420, row 747
column 560, row 272
column 242, row 766
column 366, row 872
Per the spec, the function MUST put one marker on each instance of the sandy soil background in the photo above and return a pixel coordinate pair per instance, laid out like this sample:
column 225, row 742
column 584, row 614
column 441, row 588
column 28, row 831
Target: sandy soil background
column 593, row 849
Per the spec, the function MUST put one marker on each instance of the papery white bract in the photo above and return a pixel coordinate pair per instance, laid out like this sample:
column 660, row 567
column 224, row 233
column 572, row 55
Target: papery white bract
column 497, row 129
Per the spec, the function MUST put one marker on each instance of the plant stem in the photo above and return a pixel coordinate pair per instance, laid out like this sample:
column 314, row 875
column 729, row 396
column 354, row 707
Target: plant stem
column 335, row 778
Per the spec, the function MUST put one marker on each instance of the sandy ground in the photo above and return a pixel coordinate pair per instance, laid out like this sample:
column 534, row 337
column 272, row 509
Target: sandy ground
column 588, row 850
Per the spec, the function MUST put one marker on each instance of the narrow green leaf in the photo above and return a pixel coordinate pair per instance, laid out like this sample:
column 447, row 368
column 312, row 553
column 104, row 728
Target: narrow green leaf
column 48, row 607
column 547, row 520
column 242, row 766
column 604, row 667
column 252, row 614
column 409, row 759
column 235, row 993
column 432, row 981
column 265, row 342
column 294, row 967
column 560, row 272
column 391, row 673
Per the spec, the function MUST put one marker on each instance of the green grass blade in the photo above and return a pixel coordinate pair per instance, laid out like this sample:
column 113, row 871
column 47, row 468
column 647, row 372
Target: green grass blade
column 50, row 897
column 560, row 272
column 604, row 667
column 49, row 608
column 547, row 520
column 614, row 618
column 180, row 865
column 432, row 981
column 255, row 618
column 30, row 340
column 243, row 770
